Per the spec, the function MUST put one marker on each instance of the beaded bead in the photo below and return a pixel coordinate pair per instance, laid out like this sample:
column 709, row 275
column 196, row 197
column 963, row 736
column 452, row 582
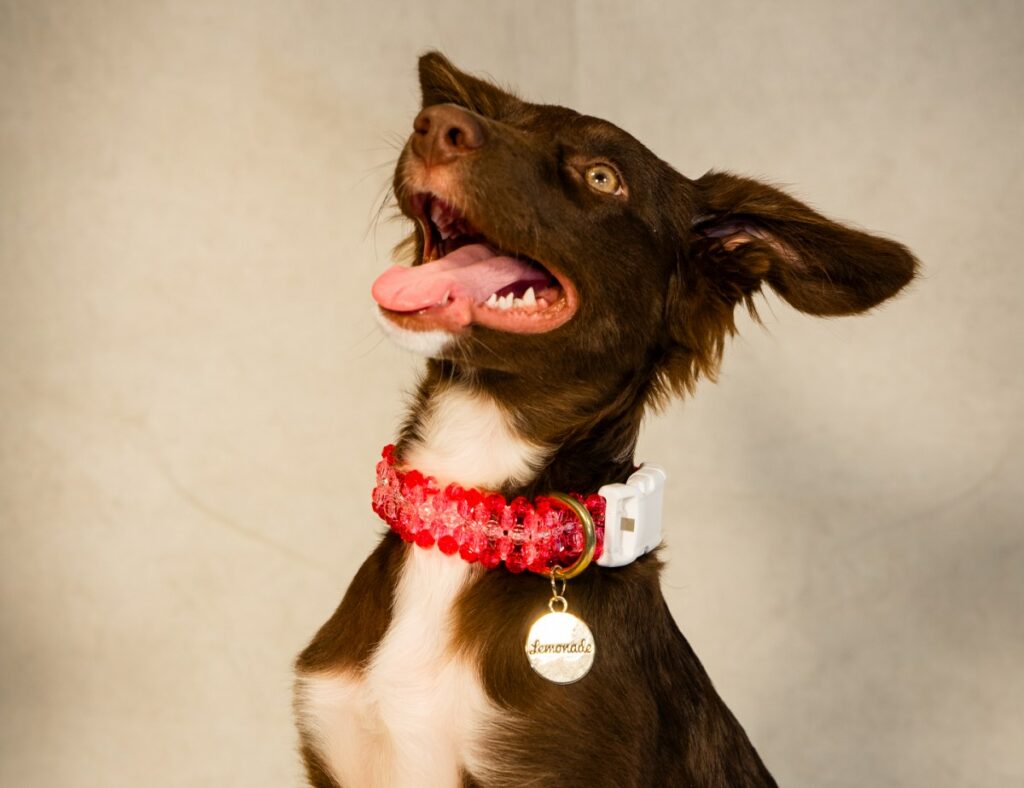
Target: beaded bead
column 447, row 545
column 515, row 562
column 424, row 538
column 489, row 558
column 495, row 503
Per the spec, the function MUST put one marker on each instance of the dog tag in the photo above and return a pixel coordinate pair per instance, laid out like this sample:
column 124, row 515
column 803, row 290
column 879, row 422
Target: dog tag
column 560, row 646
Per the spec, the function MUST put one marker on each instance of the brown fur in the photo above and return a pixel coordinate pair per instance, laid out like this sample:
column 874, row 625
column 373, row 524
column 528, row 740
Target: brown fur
column 660, row 274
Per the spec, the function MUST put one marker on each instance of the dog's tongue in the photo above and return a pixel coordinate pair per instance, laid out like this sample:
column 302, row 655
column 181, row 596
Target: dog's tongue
column 471, row 272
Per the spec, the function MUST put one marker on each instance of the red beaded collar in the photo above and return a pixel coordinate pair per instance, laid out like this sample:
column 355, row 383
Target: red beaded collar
column 482, row 526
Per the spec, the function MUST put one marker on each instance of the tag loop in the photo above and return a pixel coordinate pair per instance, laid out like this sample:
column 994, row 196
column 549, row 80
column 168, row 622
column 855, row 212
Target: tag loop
column 589, row 540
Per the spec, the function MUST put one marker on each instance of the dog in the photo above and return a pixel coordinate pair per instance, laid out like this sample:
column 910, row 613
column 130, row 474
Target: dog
column 564, row 280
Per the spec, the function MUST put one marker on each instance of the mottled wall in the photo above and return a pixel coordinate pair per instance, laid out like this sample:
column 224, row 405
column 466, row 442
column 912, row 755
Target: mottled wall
column 194, row 391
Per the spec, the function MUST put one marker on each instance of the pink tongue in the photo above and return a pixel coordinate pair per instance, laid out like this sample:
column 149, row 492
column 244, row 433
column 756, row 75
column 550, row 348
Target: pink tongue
column 471, row 272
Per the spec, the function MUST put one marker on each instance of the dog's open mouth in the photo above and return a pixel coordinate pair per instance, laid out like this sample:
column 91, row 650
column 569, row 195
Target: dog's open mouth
column 466, row 279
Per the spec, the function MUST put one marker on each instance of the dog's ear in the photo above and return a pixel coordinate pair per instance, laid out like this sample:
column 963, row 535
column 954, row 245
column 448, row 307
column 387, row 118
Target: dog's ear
column 443, row 83
column 746, row 234
column 754, row 233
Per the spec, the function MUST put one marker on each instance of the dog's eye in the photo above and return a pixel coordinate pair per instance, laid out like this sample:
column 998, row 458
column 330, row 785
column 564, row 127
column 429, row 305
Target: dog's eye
column 602, row 178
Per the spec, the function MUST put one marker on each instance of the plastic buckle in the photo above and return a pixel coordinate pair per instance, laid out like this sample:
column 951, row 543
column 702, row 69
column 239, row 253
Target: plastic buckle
column 632, row 519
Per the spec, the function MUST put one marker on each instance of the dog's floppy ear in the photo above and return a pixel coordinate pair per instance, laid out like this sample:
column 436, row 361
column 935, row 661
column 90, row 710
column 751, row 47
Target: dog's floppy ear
column 746, row 234
column 443, row 83
column 753, row 233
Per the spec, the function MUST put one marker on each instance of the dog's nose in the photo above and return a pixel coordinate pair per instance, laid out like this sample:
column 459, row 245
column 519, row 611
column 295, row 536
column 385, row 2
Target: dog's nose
column 444, row 132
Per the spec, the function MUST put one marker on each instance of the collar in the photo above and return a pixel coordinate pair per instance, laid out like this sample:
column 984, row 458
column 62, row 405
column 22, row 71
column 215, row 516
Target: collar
column 537, row 535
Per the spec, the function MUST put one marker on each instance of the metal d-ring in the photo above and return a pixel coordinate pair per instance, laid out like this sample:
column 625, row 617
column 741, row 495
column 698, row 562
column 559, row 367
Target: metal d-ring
column 589, row 538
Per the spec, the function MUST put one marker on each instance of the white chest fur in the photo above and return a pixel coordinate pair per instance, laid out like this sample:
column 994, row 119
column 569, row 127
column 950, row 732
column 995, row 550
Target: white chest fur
column 414, row 715
column 467, row 438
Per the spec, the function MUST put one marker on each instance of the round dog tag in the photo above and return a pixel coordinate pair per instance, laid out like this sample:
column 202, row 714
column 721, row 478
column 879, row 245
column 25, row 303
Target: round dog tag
column 560, row 647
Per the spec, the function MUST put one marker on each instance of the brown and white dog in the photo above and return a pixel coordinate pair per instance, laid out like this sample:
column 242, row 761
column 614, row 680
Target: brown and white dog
column 565, row 280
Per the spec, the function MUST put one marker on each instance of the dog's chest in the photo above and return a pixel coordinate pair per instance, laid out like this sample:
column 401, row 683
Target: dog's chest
column 418, row 707
column 415, row 707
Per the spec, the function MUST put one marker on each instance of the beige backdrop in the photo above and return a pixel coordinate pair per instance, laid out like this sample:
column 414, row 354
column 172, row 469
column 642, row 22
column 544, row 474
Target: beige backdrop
column 194, row 391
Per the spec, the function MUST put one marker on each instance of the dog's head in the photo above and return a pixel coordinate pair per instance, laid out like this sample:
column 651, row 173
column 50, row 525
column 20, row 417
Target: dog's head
column 551, row 241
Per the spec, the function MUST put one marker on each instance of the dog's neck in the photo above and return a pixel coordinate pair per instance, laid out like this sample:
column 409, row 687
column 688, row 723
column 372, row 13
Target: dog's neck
column 520, row 436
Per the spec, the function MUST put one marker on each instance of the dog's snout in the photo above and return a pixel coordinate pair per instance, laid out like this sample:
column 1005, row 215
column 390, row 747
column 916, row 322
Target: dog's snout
column 445, row 132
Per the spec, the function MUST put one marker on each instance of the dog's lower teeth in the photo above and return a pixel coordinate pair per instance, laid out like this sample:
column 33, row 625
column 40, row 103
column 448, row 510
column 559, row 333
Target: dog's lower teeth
column 528, row 301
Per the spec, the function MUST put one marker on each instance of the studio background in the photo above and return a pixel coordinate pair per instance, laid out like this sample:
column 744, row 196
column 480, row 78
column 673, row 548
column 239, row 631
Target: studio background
column 194, row 391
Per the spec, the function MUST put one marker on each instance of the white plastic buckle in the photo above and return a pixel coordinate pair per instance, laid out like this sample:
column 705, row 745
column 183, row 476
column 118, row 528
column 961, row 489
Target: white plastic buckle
column 632, row 520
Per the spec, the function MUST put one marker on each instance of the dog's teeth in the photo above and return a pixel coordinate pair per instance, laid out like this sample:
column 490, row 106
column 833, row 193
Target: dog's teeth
column 492, row 301
column 517, row 303
column 529, row 298
column 505, row 302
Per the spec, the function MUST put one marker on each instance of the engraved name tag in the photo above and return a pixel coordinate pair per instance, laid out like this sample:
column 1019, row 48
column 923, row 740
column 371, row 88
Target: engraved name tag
column 560, row 647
